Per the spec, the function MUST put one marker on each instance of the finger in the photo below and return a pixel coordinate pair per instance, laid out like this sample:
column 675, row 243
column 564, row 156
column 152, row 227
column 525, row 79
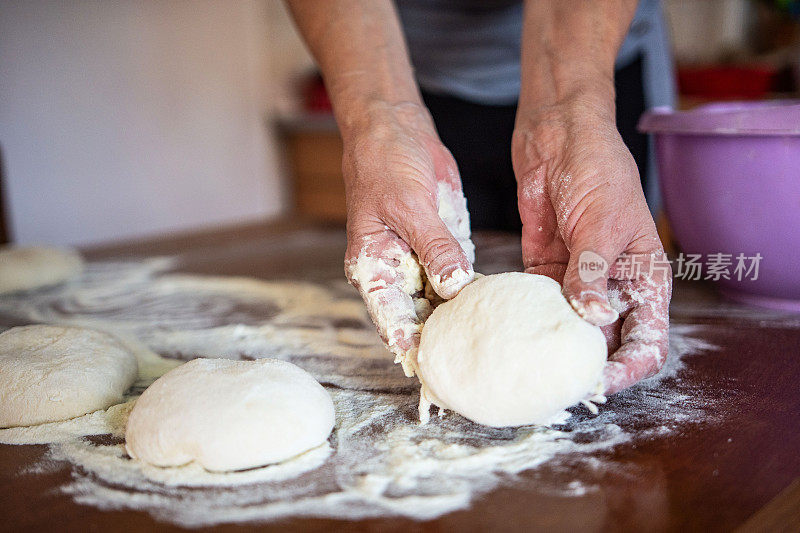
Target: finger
column 556, row 272
column 444, row 259
column 613, row 334
column 594, row 245
column 541, row 243
column 389, row 279
column 451, row 206
column 452, row 209
column 644, row 334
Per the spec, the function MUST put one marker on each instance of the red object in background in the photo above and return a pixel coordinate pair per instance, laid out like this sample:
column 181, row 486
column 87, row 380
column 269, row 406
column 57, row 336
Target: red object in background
column 726, row 83
column 709, row 82
column 315, row 97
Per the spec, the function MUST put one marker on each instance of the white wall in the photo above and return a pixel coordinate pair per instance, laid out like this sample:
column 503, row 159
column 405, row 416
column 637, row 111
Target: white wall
column 288, row 59
column 121, row 119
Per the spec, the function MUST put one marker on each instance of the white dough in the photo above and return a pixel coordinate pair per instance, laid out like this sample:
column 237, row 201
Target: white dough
column 229, row 415
column 508, row 351
column 52, row 373
column 33, row 267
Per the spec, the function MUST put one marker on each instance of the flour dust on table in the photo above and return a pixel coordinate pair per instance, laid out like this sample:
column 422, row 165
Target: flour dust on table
column 379, row 460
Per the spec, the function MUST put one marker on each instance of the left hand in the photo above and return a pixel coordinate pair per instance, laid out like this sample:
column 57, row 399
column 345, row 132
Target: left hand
column 579, row 192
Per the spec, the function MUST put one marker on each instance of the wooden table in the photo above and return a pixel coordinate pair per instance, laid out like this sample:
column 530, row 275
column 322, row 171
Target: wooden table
column 740, row 472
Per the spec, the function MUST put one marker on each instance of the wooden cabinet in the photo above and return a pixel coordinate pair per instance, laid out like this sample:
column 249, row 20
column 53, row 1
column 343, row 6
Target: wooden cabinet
column 313, row 150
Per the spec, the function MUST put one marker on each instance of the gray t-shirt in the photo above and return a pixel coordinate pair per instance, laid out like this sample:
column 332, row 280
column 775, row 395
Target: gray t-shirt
column 471, row 48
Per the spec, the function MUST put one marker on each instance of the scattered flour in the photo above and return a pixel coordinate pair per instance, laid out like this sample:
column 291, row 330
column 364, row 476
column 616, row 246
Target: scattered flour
column 379, row 461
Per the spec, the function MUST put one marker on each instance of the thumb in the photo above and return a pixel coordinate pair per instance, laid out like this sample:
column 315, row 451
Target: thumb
column 592, row 254
column 445, row 262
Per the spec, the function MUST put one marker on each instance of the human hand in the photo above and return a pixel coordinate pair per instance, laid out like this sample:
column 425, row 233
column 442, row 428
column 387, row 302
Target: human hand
column 407, row 222
column 580, row 194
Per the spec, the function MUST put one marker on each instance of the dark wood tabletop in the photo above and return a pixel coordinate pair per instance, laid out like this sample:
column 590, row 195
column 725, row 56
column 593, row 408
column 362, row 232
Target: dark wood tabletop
column 742, row 471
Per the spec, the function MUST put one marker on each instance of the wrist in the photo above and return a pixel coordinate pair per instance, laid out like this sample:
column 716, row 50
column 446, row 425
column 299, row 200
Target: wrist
column 363, row 99
column 569, row 48
column 373, row 118
column 549, row 126
column 593, row 100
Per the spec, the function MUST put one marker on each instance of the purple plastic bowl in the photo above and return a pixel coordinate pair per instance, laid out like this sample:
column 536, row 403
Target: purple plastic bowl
column 730, row 180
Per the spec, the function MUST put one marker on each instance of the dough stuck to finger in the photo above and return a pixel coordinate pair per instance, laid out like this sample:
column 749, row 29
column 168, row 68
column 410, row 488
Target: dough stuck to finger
column 509, row 350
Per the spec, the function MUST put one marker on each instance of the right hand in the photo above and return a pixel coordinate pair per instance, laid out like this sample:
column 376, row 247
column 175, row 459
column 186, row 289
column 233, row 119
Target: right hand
column 406, row 222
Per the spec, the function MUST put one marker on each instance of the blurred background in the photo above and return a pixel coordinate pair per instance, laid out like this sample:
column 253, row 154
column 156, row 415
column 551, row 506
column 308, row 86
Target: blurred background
column 125, row 120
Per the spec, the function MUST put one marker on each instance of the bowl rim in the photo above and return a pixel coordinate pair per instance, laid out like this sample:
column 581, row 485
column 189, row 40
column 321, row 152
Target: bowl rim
column 768, row 117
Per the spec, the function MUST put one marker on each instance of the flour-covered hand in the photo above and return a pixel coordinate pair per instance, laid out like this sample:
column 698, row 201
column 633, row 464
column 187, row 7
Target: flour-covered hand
column 581, row 201
column 407, row 222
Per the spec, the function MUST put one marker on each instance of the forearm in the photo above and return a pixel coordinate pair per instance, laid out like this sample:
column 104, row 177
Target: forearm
column 568, row 51
column 359, row 46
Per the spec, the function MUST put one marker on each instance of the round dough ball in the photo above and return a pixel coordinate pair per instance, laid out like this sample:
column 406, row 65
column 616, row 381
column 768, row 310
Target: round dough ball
column 33, row 267
column 508, row 351
column 229, row 415
column 52, row 373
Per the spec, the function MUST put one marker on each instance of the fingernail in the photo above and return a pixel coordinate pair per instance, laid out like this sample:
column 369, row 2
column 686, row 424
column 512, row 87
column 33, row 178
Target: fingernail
column 595, row 311
column 449, row 285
